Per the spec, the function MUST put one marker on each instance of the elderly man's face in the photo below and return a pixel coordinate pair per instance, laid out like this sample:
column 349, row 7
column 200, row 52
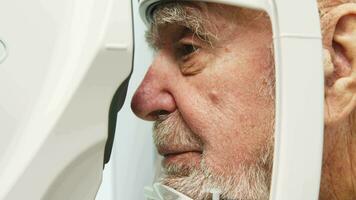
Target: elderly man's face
column 210, row 90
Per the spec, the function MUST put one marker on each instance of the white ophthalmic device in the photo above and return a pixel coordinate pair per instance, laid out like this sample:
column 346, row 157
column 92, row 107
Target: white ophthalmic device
column 64, row 70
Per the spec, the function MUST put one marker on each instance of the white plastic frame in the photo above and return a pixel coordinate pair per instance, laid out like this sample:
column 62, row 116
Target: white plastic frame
column 3, row 51
column 57, row 84
column 299, row 93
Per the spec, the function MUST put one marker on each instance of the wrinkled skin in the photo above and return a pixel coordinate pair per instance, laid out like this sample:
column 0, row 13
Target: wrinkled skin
column 224, row 94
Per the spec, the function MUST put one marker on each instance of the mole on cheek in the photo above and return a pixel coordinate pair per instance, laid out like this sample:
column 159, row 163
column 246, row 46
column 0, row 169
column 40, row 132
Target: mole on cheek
column 214, row 97
column 227, row 50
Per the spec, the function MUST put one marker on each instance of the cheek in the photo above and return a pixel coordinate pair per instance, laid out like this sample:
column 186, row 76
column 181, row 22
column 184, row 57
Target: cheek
column 242, row 114
column 238, row 138
column 226, row 107
column 230, row 154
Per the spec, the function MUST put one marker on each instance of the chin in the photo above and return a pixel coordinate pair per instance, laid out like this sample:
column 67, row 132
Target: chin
column 243, row 181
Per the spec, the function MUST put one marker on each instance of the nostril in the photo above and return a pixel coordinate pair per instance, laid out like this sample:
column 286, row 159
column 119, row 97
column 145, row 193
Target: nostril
column 159, row 114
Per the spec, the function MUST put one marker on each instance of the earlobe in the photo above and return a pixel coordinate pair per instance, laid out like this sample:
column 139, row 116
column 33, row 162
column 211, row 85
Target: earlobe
column 340, row 71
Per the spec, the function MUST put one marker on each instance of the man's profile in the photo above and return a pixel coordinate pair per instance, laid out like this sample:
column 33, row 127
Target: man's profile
column 210, row 91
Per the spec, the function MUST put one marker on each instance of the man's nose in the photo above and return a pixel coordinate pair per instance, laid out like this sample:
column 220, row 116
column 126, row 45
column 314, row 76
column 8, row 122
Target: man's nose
column 153, row 99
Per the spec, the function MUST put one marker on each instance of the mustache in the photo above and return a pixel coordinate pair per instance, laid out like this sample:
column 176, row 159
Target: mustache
column 174, row 132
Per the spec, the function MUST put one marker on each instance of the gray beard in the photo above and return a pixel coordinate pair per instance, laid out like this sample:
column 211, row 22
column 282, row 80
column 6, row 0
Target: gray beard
column 250, row 181
column 247, row 183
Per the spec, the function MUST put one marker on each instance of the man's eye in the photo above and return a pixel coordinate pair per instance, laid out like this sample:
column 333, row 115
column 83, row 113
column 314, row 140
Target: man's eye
column 188, row 49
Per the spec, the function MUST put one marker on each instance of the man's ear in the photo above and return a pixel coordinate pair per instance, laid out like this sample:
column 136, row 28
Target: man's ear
column 340, row 69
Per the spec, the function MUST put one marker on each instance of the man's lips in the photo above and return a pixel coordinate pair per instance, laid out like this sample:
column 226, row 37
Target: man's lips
column 174, row 151
column 180, row 153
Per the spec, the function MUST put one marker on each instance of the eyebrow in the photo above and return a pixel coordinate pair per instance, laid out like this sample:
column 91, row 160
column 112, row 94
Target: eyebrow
column 151, row 39
column 192, row 21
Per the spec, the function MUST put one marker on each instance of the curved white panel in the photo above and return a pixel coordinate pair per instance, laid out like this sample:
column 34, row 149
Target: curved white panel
column 57, row 83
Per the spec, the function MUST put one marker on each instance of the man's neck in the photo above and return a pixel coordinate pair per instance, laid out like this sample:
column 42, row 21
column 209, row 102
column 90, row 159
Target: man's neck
column 338, row 181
